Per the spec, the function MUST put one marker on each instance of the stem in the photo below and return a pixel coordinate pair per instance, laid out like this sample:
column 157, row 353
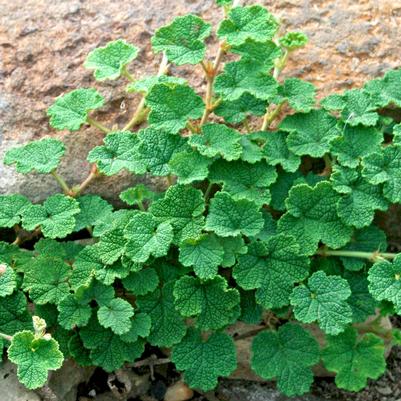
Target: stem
column 269, row 117
column 97, row 124
column 140, row 206
column 141, row 112
column 207, row 192
column 357, row 254
column 61, row 182
column 6, row 337
column 192, row 128
column 127, row 75
column 92, row 175
column 170, row 180
column 250, row 333
column 151, row 361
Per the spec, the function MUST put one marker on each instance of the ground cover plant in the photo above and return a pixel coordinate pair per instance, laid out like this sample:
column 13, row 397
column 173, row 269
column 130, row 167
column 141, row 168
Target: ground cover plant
column 267, row 217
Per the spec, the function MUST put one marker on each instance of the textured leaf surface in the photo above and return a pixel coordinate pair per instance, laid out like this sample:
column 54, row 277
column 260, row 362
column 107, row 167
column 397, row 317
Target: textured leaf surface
column 203, row 361
column 229, row 217
column 71, row 110
column 299, row 94
column 141, row 282
column 386, row 91
column 42, row 156
column 189, row 166
column 34, row 358
column 210, row 301
column 354, row 359
column 287, row 355
column 11, row 209
column 293, row 40
column 182, row 40
column 172, row 106
column 116, row 316
column 323, row 300
column 109, row 61
column 14, row 314
column 73, row 312
column 312, row 217
column 8, row 280
column 56, row 217
column 144, row 85
column 93, row 209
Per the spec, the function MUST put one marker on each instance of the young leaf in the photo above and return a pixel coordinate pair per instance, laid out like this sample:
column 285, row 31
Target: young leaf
column 293, row 40
column 354, row 359
column 73, row 312
column 183, row 40
column 93, row 209
column 210, row 301
column 145, row 237
column 204, row 253
column 189, row 166
column 109, row 61
column 243, row 180
column 118, row 152
column 56, row 217
column 311, row 133
column 312, row 217
column 385, row 281
column 272, row 267
column 218, row 140
column 287, row 355
column 42, row 156
column 168, row 327
column 141, row 282
column 229, row 217
column 323, row 300
column 71, row 110
column 116, row 316
column 8, row 280
column 385, row 91
column 252, row 22
column 157, row 148
column 136, row 195
column 203, row 361
column 172, row 106
column 34, row 358
column 12, row 208
column 182, row 207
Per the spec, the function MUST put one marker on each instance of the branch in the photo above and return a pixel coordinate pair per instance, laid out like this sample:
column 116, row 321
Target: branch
column 373, row 256
column 61, row 182
column 97, row 125
column 94, row 173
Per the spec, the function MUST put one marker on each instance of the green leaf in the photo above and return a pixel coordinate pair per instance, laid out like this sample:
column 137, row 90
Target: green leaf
column 232, row 248
column 385, row 167
column 109, row 61
column 299, row 94
column 96, row 291
column 251, row 312
column 77, row 351
column 144, row 85
column 93, row 209
column 360, row 199
column 229, row 217
column 203, row 361
column 34, row 358
column 172, row 106
column 47, row 280
column 210, row 301
column 204, row 253
column 145, row 237
column 189, row 166
column 355, row 144
column 12, row 208
column 281, row 188
column 14, row 315
column 73, row 312
column 71, row 110
column 311, row 133
column 8, row 280
column 252, row 22
column 272, row 267
column 276, row 152
column 245, row 77
column 168, row 327
column 293, row 40
column 142, row 282
column 323, row 300
column 56, row 217
column 287, row 355
column 157, row 148
column 386, row 91
column 182, row 207
column 385, row 281
column 354, row 358
column 111, row 246
column 42, row 156
column 183, row 40
column 218, row 140
column 136, row 195
column 312, row 217
column 243, row 180
column 120, row 151
column 333, row 102
column 140, row 327
column 236, row 111
column 116, row 316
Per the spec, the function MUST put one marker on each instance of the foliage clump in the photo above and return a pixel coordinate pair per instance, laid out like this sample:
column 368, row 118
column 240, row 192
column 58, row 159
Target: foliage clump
column 267, row 216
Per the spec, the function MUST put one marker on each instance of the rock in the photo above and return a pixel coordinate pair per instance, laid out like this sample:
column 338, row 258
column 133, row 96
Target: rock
column 125, row 383
column 178, row 392
column 43, row 45
column 11, row 388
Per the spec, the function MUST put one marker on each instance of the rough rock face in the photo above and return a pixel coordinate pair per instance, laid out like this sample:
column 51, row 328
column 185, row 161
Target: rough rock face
column 43, row 44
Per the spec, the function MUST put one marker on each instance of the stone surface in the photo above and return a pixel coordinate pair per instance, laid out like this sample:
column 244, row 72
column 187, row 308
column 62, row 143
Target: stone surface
column 43, row 44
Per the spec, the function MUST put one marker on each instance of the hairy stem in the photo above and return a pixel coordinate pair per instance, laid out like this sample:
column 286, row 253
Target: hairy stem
column 6, row 337
column 207, row 192
column 270, row 116
column 140, row 113
column 61, row 182
column 94, row 173
column 127, row 75
column 357, row 254
column 97, row 125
